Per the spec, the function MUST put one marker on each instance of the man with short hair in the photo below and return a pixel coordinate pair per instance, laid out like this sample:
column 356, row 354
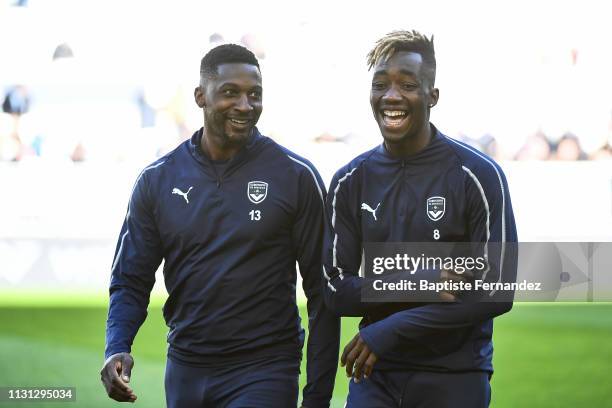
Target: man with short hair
column 417, row 186
column 230, row 212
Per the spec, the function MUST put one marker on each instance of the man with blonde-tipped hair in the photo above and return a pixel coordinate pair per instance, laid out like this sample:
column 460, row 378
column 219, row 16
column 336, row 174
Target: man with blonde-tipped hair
column 426, row 188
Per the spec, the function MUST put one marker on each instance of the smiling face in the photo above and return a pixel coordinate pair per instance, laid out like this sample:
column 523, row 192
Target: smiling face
column 232, row 103
column 401, row 96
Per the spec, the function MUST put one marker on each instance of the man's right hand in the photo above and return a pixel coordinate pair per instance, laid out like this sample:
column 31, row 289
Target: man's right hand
column 115, row 377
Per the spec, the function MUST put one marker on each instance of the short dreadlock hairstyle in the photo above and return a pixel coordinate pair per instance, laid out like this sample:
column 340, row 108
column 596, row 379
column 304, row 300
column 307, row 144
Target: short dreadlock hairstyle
column 411, row 41
column 225, row 54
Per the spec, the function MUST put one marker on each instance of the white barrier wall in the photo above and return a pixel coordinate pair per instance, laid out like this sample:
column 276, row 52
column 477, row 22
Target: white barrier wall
column 59, row 223
column 557, row 201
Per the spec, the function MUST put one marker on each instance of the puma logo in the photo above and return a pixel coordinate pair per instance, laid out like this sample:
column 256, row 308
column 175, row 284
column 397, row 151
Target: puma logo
column 179, row 192
column 366, row 207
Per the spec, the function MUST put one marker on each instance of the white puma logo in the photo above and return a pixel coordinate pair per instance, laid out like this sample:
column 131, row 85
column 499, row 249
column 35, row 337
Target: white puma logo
column 179, row 192
column 366, row 207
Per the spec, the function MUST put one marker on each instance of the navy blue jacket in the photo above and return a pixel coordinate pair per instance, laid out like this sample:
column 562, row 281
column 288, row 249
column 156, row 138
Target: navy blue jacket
column 230, row 243
column 436, row 336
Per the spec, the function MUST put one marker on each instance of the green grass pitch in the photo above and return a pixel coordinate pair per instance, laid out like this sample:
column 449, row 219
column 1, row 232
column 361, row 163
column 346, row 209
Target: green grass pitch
column 546, row 355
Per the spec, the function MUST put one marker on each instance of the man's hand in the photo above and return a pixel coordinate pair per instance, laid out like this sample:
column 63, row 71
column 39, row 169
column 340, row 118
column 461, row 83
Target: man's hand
column 358, row 359
column 115, row 377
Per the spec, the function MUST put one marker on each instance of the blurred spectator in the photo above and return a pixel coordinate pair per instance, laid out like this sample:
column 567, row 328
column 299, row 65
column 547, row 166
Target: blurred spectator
column 16, row 103
column 569, row 149
column 603, row 153
column 215, row 39
column 489, row 146
column 536, row 147
column 255, row 44
column 148, row 113
column 59, row 107
column 62, row 51
column 10, row 143
column 79, row 153
column 16, row 100
column 486, row 144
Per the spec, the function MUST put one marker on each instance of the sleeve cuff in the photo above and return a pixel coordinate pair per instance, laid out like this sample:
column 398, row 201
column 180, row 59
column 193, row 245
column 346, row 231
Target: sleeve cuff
column 378, row 339
column 115, row 350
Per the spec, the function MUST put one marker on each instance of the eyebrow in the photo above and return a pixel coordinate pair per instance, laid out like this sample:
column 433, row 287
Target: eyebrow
column 402, row 71
column 235, row 85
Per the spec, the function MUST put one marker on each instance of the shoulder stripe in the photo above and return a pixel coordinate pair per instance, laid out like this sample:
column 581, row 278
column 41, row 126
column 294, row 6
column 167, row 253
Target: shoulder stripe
column 486, row 204
column 316, row 181
column 333, row 221
column 503, row 212
column 501, row 184
column 313, row 176
column 127, row 216
column 143, row 172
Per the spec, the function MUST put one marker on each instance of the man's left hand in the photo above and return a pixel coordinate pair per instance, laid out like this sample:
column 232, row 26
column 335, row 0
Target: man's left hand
column 358, row 359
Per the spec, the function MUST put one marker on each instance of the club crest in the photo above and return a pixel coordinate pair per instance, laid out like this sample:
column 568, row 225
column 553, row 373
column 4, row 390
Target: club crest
column 257, row 191
column 436, row 206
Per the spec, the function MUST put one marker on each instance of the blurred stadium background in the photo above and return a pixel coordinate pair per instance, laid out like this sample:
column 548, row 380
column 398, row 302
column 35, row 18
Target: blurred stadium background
column 93, row 91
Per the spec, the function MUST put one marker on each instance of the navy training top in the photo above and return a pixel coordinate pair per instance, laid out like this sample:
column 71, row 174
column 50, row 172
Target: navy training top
column 474, row 206
column 230, row 243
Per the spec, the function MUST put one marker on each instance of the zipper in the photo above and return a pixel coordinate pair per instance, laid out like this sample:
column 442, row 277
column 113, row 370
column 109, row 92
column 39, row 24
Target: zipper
column 216, row 173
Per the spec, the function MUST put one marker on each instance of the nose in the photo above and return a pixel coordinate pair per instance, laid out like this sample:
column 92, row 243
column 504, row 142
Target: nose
column 243, row 104
column 392, row 94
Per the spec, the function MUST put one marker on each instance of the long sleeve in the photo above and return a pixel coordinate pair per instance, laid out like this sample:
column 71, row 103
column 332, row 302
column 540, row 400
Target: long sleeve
column 137, row 257
column 342, row 259
column 492, row 229
column 323, row 326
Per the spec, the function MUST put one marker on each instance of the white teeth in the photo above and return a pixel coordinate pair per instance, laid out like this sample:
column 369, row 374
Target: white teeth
column 240, row 122
column 393, row 113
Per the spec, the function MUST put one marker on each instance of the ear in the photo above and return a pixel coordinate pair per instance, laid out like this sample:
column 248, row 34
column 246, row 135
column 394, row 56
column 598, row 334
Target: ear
column 434, row 94
column 200, row 98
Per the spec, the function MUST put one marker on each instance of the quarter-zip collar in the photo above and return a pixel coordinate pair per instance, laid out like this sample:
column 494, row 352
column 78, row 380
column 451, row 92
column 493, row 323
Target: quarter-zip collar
column 255, row 142
column 423, row 156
